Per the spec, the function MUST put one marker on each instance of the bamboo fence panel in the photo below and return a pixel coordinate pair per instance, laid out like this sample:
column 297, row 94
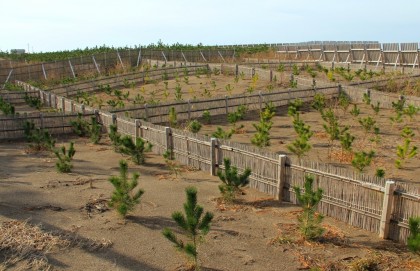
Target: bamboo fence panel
column 155, row 134
column 106, row 120
column 126, row 126
column 405, row 206
column 355, row 202
column 264, row 166
column 12, row 127
column 192, row 149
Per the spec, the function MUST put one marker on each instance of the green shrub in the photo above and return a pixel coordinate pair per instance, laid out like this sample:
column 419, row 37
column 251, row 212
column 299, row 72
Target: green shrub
column 194, row 126
column 362, row 159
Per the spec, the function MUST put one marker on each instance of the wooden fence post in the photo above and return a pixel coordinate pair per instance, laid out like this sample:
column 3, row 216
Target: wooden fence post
column 281, row 178
column 82, row 107
column 71, row 106
column 260, row 99
column 145, row 112
column 271, row 75
column 63, row 104
column 189, row 110
column 236, row 70
column 386, row 209
column 168, row 136
column 137, row 125
column 213, row 158
column 114, row 119
column 227, row 104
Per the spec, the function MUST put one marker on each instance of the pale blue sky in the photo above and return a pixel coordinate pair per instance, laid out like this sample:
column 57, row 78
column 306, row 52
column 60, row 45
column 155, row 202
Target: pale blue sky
column 48, row 25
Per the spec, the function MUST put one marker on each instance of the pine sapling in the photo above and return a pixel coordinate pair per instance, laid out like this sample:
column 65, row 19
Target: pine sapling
column 413, row 241
column 319, row 103
column 404, row 152
column 300, row 146
column 172, row 117
column 362, row 159
column 380, row 173
column 355, row 111
column 366, row 99
column 80, row 126
column 63, row 164
column 376, row 108
column 346, row 141
column 171, row 163
column 222, row 134
column 124, row 199
column 135, row 149
column 95, row 130
column 309, row 220
column 192, row 223
column 232, row 180
column 367, row 123
column 194, row 126
column 115, row 137
column 206, row 116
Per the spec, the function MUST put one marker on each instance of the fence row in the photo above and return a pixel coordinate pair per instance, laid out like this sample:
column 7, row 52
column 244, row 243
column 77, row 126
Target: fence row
column 357, row 199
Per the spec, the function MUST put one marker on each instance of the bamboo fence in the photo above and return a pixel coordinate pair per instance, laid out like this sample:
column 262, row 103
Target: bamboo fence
column 363, row 201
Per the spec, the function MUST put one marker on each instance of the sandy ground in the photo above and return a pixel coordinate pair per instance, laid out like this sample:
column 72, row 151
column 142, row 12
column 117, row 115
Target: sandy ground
column 255, row 233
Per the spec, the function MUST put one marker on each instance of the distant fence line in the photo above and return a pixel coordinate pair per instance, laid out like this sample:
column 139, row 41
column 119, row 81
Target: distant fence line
column 367, row 202
column 123, row 60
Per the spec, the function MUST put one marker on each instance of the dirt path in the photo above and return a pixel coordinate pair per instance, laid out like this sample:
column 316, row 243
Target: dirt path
column 257, row 233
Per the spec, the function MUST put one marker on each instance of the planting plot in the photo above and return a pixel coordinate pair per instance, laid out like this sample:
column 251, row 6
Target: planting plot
column 81, row 233
column 383, row 142
column 182, row 88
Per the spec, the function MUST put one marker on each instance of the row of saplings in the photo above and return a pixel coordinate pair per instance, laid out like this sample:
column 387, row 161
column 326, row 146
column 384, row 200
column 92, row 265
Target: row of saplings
column 195, row 223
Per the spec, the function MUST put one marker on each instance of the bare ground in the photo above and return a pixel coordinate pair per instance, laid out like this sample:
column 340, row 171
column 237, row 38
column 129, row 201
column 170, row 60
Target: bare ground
column 255, row 233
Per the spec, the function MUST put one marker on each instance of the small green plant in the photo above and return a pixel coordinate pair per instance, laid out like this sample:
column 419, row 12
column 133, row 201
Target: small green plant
column 95, row 130
column 33, row 101
column 295, row 69
column 80, row 126
column 192, row 224
column 178, row 92
column 411, row 111
column 367, row 123
column 262, row 137
column 172, row 117
column 229, row 89
column 186, row 80
column 346, row 141
column 319, row 102
column 399, row 105
column 300, row 146
column 309, row 220
column 38, row 139
column 63, row 164
column 362, row 159
column 232, row 181
column 194, row 126
column 170, row 162
column 380, row 173
column 366, row 99
column 115, row 137
column 343, row 101
column 376, row 108
column 280, row 68
column 206, row 116
column 407, row 132
column 135, row 149
column 404, row 152
column 6, row 107
column 355, row 111
column 413, row 241
column 330, row 76
column 123, row 198
column 222, row 134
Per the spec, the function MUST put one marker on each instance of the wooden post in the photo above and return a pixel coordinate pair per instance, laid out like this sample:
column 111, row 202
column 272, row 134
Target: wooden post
column 386, row 209
column 213, row 158
column 281, row 178
column 189, row 110
column 226, row 104
column 63, row 104
column 41, row 117
column 114, row 119
column 236, row 70
column 145, row 112
column 71, row 106
column 260, row 98
column 49, row 99
column 137, row 124
column 271, row 75
column 168, row 136
column 82, row 107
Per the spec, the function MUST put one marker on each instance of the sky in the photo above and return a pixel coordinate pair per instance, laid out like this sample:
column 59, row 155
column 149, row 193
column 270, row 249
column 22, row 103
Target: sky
column 53, row 25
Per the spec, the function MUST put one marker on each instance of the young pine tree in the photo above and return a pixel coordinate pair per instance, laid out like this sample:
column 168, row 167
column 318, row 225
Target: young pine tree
column 404, row 152
column 232, row 180
column 95, row 130
column 135, row 150
column 124, row 199
column 192, row 224
column 362, row 159
column 63, row 164
column 309, row 220
column 115, row 137
column 413, row 241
